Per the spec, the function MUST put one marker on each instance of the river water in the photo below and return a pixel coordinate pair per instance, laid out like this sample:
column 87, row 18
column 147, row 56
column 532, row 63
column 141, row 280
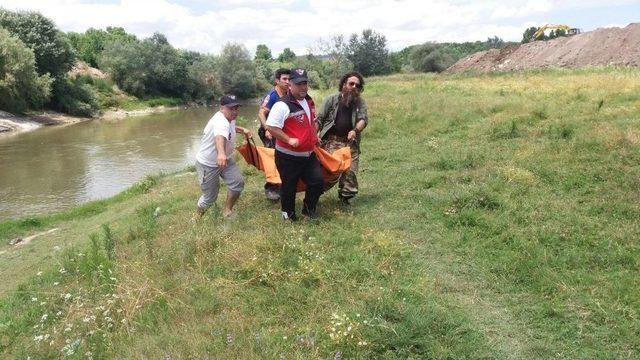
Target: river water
column 55, row 168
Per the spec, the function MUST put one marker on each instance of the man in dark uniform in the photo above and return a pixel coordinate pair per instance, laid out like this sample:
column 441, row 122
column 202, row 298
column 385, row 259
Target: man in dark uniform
column 341, row 121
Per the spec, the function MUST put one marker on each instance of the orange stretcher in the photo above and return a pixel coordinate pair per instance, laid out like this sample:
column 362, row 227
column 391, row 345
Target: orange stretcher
column 333, row 164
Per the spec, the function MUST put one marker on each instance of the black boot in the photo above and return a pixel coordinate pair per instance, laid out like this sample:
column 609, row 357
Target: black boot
column 309, row 212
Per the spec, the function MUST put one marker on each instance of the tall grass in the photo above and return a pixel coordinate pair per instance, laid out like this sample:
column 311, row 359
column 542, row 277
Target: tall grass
column 498, row 218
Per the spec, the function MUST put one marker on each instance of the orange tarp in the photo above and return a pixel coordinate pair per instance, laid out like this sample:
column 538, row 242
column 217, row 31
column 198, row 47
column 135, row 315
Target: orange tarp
column 333, row 164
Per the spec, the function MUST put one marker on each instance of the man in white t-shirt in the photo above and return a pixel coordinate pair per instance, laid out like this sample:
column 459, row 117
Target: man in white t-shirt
column 214, row 161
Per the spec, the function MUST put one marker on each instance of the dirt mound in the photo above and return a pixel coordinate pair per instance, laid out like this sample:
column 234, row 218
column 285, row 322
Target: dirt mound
column 601, row 47
column 82, row 68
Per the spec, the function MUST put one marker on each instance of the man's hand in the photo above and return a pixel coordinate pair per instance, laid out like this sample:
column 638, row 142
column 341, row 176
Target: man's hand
column 293, row 142
column 351, row 135
column 268, row 135
column 222, row 160
column 248, row 134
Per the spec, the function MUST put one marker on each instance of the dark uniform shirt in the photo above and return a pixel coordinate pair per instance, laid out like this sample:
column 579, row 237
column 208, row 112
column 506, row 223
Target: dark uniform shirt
column 343, row 124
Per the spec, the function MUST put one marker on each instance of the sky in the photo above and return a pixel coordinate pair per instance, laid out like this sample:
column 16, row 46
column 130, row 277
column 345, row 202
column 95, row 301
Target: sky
column 207, row 25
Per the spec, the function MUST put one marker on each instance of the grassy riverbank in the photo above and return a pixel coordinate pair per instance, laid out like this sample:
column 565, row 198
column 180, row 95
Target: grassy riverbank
column 498, row 218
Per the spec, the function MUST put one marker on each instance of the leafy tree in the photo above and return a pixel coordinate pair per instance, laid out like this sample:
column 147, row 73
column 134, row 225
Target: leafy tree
column 149, row 67
column 263, row 53
column 287, row 55
column 527, row 35
column 191, row 57
column 20, row 86
column 430, row 57
column 495, row 43
column 167, row 70
column 204, row 78
column 338, row 63
column 127, row 65
column 400, row 60
column 369, row 53
column 90, row 45
column 52, row 50
column 237, row 72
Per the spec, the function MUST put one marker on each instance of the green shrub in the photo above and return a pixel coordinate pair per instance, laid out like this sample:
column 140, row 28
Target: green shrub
column 164, row 101
column 20, row 86
column 430, row 58
column 74, row 97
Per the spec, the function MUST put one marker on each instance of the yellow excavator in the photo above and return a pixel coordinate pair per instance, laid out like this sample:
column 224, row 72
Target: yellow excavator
column 570, row 31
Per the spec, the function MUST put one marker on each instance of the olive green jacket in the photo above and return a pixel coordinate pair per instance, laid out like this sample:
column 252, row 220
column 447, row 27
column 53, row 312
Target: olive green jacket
column 327, row 115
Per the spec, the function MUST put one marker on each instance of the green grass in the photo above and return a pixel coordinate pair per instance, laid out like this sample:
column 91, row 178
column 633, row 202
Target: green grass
column 498, row 218
column 132, row 103
column 108, row 96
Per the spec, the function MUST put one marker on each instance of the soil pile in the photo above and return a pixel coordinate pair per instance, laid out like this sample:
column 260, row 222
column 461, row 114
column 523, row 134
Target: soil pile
column 82, row 68
column 601, row 47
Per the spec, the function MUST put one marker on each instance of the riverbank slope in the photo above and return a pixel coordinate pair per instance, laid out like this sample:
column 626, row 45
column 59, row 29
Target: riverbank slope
column 11, row 124
column 497, row 218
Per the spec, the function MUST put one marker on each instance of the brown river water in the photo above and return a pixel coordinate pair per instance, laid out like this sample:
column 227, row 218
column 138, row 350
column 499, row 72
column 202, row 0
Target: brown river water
column 55, row 168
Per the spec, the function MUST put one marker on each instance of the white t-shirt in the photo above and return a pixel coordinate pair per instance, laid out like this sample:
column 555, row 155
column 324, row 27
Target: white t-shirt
column 280, row 111
column 217, row 125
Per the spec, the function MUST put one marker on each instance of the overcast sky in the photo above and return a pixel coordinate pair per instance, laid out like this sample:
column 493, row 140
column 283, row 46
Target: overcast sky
column 206, row 25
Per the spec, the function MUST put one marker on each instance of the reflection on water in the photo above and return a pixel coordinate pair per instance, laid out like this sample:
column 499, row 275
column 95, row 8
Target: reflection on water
column 56, row 168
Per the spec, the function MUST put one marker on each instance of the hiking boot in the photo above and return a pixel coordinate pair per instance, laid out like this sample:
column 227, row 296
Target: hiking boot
column 309, row 212
column 344, row 201
column 289, row 217
column 200, row 211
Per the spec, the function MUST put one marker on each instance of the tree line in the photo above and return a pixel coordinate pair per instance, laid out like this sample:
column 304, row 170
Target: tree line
column 34, row 71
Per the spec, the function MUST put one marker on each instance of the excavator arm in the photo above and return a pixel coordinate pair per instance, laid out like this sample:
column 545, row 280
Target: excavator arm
column 567, row 28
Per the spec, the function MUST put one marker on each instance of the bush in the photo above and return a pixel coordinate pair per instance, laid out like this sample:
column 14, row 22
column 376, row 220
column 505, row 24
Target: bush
column 20, row 86
column 74, row 97
column 164, row 101
column 430, row 58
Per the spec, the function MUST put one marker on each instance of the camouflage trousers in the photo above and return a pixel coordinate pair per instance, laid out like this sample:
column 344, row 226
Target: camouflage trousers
column 348, row 181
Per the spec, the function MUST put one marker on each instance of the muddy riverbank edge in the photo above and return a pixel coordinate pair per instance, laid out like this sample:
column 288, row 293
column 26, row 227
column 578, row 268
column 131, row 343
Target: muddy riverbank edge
column 13, row 124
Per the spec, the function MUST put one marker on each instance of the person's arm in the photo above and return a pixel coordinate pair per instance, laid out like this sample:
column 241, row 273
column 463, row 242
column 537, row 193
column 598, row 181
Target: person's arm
column 361, row 123
column 275, row 122
column 222, row 156
column 323, row 115
column 262, row 116
column 280, row 135
column 244, row 131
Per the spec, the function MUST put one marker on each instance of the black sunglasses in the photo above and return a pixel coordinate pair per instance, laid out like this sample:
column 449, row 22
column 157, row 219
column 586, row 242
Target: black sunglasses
column 352, row 84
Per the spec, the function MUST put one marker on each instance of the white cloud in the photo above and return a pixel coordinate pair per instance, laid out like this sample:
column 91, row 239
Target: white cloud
column 206, row 26
column 515, row 11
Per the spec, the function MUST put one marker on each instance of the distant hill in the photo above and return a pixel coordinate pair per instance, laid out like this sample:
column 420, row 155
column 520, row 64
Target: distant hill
column 601, row 47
